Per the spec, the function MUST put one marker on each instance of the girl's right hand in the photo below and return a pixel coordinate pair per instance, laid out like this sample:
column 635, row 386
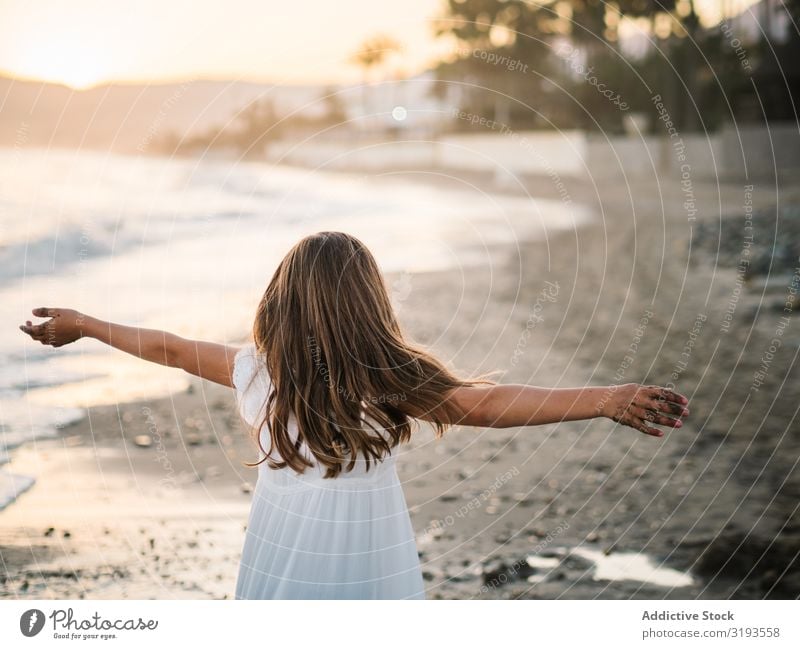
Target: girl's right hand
column 63, row 327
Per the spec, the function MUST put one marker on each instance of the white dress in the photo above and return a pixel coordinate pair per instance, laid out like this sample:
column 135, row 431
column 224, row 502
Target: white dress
column 309, row 537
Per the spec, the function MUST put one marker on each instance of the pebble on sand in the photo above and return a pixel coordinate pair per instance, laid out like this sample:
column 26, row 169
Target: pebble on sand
column 143, row 441
column 193, row 439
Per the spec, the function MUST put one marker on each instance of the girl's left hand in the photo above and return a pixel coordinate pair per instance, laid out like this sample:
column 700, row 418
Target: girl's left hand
column 638, row 406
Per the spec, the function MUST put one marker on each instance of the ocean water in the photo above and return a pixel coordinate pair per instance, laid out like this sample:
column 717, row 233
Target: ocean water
column 188, row 246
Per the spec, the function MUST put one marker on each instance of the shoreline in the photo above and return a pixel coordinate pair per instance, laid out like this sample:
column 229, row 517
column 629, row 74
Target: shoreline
column 572, row 493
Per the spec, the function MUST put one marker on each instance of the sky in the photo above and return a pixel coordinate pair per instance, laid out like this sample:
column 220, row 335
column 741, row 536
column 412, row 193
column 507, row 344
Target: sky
column 82, row 43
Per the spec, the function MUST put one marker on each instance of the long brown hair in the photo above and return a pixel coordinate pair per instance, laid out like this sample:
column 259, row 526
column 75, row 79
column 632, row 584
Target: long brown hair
column 335, row 353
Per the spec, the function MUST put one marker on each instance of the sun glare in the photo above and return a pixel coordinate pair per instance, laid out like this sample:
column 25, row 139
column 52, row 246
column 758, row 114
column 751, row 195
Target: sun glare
column 78, row 69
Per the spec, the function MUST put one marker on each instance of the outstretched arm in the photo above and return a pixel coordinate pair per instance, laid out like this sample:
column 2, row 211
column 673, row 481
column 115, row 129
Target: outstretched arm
column 634, row 405
column 207, row 360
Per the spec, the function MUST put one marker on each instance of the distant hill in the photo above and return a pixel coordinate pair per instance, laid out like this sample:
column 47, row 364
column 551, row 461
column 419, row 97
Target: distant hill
column 126, row 117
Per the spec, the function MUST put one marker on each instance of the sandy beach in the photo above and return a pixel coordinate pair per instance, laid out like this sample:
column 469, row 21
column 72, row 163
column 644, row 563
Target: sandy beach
column 150, row 499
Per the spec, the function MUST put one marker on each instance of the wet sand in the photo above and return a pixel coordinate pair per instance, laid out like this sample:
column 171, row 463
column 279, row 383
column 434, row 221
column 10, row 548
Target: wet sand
column 575, row 510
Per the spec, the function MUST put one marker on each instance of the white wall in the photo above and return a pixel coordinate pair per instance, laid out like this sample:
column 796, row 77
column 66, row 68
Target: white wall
column 532, row 152
column 569, row 153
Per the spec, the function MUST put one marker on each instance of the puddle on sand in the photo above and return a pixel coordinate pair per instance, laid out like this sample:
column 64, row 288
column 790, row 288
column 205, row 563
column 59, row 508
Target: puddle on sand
column 542, row 565
column 616, row 566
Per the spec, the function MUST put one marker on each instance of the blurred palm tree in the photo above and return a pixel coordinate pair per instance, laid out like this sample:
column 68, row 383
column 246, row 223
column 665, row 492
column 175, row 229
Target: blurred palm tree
column 509, row 67
column 372, row 54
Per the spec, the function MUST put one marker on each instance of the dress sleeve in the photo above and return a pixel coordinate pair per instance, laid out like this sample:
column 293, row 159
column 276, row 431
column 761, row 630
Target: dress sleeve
column 251, row 385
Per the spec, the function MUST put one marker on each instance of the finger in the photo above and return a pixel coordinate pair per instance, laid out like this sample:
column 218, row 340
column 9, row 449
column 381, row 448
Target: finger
column 670, row 407
column 45, row 312
column 640, row 425
column 33, row 333
column 668, row 395
column 39, row 330
column 33, row 327
column 29, row 329
column 655, row 417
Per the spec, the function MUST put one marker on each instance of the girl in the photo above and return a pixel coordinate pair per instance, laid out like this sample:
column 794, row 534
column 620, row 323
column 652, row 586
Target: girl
column 330, row 387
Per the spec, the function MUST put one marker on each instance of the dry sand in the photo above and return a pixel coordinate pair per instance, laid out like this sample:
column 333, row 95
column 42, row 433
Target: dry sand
column 577, row 510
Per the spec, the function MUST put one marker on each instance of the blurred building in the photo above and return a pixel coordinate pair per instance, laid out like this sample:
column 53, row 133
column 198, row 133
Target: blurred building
column 419, row 106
